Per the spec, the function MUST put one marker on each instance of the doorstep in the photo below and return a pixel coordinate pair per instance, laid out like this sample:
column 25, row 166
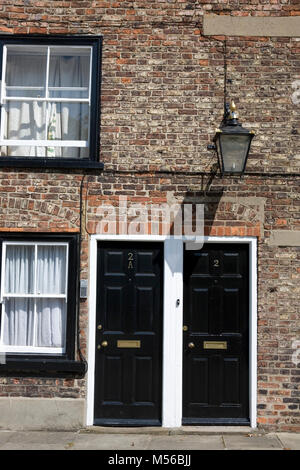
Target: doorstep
column 183, row 430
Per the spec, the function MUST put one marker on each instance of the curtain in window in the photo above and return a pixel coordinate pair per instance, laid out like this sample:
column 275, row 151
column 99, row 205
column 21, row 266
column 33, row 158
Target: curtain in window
column 18, row 322
column 38, row 322
column 51, row 269
column 51, row 280
column 51, row 315
column 68, row 121
column 65, row 120
column 19, row 269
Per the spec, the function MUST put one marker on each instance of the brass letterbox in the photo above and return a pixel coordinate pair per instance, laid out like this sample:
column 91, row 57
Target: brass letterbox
column 214, row 344
column 125, row 343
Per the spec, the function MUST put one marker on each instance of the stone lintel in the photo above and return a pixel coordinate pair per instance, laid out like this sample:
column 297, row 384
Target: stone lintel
column 266, row 26
column 285, row 238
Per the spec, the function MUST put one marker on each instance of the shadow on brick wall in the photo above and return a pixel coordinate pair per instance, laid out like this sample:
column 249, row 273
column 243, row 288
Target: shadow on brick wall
column 208, row 195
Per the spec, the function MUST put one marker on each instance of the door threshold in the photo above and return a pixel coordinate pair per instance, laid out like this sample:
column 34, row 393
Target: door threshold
column 126, row 423
column 183, row 430
column 215, row 422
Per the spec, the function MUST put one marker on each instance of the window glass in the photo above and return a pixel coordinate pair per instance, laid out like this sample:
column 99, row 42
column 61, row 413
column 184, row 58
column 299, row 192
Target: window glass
column 46, row 101
column 51, row 323
column 26, row 71
column 34, row 306
column 51, row 270
column 19, row 269
column 17, row 326
column 68, row 121
column 69, row 72
column 25, row 120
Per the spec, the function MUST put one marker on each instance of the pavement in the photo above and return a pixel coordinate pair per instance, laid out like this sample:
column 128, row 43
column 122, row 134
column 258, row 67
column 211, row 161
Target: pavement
column 150, row 439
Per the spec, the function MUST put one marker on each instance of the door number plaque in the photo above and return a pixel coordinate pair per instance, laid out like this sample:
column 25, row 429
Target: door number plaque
column 130, row 260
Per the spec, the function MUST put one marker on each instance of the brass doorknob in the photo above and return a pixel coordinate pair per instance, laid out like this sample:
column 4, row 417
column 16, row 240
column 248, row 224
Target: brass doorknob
column 104, row 344
column 191, row 345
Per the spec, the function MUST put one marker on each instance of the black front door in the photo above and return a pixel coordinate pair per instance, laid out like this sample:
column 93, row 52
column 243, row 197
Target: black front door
column 128, row 364
column 216, row 335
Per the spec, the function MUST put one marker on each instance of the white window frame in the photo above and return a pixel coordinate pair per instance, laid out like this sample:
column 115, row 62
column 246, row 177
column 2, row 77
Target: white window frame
column 35, row 296
column 4, row 99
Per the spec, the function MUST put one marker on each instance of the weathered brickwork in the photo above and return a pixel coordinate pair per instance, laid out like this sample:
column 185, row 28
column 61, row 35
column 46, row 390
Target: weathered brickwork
column 162, row 95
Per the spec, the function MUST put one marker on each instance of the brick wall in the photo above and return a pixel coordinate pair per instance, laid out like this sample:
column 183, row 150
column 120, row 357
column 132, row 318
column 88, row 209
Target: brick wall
column 162, row 98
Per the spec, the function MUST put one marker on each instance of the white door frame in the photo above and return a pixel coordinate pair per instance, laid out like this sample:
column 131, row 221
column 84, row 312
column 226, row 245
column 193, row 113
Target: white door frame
column 172, row 322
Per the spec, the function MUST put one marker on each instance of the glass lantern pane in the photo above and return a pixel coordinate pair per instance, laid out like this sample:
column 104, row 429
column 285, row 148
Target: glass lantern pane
column 234, row 150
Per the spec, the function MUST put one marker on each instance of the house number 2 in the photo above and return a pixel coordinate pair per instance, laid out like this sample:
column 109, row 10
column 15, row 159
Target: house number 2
column 130, row 260
column 216, row 263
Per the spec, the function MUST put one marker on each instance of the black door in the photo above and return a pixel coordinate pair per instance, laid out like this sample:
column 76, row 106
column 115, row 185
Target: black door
column 129, row 334
column 216, row 335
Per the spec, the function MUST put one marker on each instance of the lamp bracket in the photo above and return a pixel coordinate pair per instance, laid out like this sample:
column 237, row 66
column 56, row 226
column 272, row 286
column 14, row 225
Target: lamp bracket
column 211, row 147
column 226, row 111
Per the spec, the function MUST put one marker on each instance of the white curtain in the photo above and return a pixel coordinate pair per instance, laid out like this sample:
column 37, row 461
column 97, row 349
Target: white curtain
column 27, row 119
column 38, row 322
column 51, row 320
column 18, row 322
column 19, row 269
column 51, row 269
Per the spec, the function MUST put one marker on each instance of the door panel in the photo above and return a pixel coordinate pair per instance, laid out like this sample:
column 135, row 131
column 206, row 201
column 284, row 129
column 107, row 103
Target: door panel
column 216, row 314
column 129, row 319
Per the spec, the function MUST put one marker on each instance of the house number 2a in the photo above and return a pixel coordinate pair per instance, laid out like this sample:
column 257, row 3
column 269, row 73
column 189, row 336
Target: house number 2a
column 130, row 260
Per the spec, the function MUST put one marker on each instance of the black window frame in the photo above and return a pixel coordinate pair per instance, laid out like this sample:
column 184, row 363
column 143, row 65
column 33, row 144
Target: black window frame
column 24, row 364
column 94, row 148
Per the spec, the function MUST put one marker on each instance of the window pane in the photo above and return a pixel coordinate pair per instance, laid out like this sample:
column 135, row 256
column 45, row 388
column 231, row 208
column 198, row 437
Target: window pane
column 25, row 151
column 26, row 67
column 69, row 68
column 26, row 77
column 77, row 93
column 68, row 121
column 35, row 322
column 25, row 120
column 68, row 152
column 51, row 323
column 18, row 322
column 18, row 92
column 19, row 269
column 51, row 269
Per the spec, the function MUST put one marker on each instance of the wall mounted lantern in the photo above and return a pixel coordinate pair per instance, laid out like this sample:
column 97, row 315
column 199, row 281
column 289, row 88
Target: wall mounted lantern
column 232, row 143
